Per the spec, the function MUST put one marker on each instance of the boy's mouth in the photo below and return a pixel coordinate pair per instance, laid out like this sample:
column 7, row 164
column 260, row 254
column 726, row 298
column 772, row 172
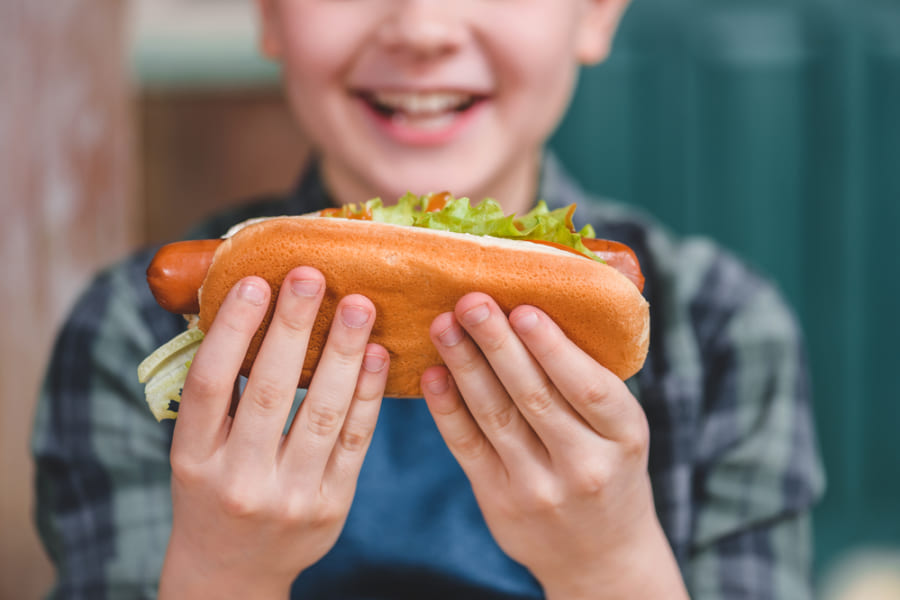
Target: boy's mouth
column 421, row 110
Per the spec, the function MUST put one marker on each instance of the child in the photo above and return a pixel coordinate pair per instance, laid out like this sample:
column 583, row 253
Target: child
column 528, row 470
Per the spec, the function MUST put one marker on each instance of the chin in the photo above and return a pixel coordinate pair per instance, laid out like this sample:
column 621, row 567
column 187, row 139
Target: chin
column 423, row 178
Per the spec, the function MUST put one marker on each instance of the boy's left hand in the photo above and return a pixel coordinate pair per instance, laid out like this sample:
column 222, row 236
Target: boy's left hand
column 555, row 447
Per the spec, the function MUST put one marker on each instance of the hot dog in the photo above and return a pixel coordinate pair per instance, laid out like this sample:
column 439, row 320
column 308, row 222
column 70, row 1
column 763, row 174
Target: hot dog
column 177, row 271
column 412, row 274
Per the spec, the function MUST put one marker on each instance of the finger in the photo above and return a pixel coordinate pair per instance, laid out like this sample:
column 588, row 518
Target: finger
column 541, row 404
column 208, row 387
column 269, row 393
column 319, row 420
column 600, row 397
column 353, row 442
column 485, row 396
column 462, row 434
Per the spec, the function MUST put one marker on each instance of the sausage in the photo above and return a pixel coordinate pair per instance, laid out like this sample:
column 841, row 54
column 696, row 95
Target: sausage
column 619, row 256
column 177, row 271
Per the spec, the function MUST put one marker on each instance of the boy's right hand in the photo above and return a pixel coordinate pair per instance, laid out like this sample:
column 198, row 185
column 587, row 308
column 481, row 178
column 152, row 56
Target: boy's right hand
column 253, row 508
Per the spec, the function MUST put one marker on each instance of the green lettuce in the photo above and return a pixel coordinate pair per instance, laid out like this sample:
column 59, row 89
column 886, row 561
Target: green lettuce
column 485, row 218
column 164, row 371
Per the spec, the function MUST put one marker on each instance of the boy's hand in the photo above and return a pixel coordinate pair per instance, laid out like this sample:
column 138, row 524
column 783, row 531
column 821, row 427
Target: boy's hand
column 252, row 508
column 555, row 447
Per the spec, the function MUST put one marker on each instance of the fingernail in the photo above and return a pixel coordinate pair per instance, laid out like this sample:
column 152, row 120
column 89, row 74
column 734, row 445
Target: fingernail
column 252, row 292
column 451, row 336
column 525, row 322
column 307, row 288
column 354, row 316
column 373, row 363
column 439, row 385
column 476, row 315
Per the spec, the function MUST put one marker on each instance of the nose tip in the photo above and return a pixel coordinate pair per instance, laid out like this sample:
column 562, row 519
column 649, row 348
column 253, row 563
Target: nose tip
column 422, row 28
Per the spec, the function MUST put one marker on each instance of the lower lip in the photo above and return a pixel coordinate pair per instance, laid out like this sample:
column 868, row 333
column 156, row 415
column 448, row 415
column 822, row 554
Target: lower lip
column 411, row 134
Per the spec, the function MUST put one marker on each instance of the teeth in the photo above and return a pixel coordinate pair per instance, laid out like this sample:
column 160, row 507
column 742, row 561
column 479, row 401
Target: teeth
column 420, row 103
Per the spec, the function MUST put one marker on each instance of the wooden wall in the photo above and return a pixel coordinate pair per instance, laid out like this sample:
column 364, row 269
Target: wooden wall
column 66, row 173
column 202, row 150
column 92, row 167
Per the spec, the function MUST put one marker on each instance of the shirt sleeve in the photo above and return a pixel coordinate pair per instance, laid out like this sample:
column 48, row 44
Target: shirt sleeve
column 103, row 502
column 757, row 470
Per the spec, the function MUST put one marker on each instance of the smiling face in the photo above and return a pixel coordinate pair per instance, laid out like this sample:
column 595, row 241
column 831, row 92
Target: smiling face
column 428, row 95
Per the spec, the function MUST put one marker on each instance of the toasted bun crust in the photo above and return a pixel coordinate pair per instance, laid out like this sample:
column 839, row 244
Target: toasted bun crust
column 413, row 274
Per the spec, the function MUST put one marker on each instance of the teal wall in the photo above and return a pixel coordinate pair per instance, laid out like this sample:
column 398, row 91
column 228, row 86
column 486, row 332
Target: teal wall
column 774, row 127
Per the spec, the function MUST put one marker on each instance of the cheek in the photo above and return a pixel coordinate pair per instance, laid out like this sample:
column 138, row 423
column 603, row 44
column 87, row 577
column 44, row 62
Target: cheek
column 321, row 39
column 307, row 90
column 314, row 64
column 308, row 62
column 540, row 95
column 537, row 66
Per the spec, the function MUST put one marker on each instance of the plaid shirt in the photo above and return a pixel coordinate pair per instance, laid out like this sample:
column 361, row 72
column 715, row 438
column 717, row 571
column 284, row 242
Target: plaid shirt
column 733, row 456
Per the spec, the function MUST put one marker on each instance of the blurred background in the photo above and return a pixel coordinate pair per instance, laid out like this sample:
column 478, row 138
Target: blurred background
column 772, row 126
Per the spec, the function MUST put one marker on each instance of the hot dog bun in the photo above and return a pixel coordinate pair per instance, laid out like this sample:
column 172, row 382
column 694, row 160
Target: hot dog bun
column 413, row 274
